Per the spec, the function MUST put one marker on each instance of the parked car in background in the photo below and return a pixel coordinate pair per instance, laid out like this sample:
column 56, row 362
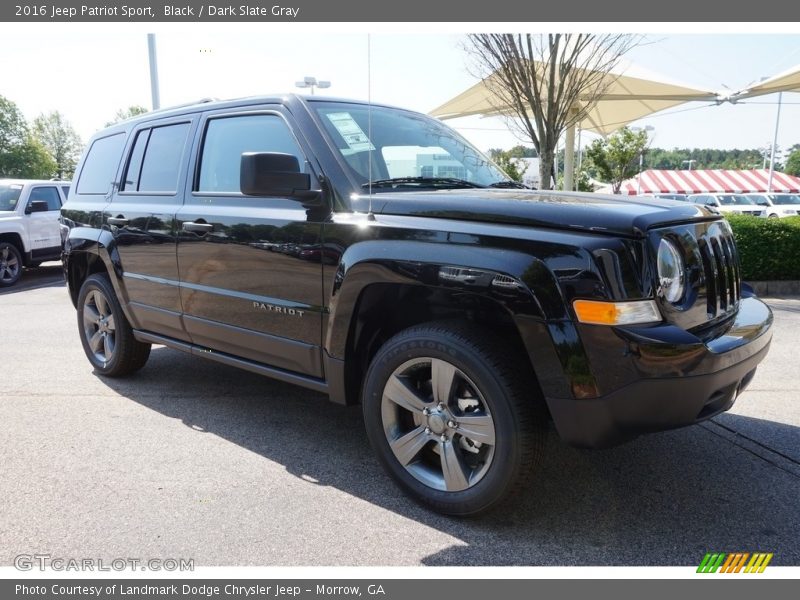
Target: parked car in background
column 681, row 197
column 29, row 228
column 729, row 203
column 778, row 205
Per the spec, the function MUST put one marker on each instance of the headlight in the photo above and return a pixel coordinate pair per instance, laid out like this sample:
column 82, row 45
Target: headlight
column 671, row 272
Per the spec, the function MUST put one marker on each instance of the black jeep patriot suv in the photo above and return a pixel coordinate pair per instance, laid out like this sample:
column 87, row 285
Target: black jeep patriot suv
column 372, row 254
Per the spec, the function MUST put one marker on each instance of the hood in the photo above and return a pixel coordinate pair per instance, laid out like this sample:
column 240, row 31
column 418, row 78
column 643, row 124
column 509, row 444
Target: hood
column 618, row 215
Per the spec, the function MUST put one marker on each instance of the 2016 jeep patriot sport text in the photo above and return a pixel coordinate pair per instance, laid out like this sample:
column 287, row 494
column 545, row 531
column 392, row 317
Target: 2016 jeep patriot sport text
column 373, row 254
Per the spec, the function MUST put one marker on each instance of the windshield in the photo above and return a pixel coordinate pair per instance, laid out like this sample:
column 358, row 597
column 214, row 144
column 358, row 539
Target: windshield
column 731, row 199
column 403, row 146
column 784, row 199
column 9, row 195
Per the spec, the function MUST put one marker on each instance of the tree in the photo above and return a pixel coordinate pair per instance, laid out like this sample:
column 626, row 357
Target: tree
column 21, row 156
column 793, row 163
column 61, row 140
column 127, row 113
column 13, row 127
column 546, row 83
column 29, row 160
column 617, row 158
column 509, row 162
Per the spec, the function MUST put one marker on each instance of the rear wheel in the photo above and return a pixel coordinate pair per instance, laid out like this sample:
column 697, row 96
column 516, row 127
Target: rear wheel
column 455, row 416
column 10, row 264
column 106, row 335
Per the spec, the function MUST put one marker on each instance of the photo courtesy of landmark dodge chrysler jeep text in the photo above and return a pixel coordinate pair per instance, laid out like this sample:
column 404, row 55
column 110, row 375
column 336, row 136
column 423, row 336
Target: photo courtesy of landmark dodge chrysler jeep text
column 371, row 253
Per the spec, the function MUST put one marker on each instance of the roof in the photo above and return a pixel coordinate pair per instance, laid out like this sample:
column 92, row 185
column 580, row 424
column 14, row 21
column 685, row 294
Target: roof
column 12, row 181
column 208, row 104
column 699, row 181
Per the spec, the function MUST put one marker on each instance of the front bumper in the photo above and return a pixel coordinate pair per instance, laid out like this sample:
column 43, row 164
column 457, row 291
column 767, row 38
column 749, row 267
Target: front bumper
column 671, row 378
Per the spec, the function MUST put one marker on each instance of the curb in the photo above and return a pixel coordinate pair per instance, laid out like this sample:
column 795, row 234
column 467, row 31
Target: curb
column 776, row 288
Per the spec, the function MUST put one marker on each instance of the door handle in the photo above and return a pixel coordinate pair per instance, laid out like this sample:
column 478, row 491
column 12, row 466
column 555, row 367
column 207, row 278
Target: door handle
column 118, row 221
column 198, row 227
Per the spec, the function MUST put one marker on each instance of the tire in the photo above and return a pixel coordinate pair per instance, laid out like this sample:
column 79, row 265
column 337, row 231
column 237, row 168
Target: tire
column 774, row 216
column 105, row 333
column 10, row 264
column 455, row 416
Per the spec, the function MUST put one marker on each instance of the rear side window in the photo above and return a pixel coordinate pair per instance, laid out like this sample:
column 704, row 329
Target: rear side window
column 228, row 138
column 65, row 190
column 155, row 161
column 46, row 194
column 100, row 165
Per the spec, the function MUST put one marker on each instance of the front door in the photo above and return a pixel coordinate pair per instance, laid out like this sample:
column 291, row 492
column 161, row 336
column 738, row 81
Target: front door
column 43, row 230
column 250, row 267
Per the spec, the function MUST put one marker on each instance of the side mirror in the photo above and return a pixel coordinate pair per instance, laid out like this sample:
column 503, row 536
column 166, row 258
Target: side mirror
column 274, row 174
column 37, row 206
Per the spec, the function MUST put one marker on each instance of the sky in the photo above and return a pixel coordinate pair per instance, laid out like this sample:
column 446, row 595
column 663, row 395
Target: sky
column 88, row 72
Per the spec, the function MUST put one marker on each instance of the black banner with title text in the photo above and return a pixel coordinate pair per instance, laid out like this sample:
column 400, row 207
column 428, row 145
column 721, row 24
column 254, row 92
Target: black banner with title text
column 497, row 11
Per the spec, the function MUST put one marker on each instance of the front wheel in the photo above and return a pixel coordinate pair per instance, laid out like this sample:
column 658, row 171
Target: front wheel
column 10, row 264
column 454, row 415
column 106, row 335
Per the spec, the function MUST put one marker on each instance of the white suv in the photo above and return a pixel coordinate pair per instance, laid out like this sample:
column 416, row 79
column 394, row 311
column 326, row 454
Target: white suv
column 778, row 205
column 729, row 203
column 29, row 227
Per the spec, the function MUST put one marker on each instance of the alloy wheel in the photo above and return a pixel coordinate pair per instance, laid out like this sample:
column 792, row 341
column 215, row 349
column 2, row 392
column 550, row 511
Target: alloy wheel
column 437, row 424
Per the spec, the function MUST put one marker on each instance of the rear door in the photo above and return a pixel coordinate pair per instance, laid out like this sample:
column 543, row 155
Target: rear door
column 250, row 287
column 141, row 217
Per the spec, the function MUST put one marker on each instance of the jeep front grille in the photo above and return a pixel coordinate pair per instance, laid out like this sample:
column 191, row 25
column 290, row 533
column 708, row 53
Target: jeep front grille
column 721, row 271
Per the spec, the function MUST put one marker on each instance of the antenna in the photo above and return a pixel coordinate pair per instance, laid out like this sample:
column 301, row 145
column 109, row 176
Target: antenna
column 370, row 214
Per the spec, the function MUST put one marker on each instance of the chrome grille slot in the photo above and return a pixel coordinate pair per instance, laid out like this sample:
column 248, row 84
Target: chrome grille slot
column 721, row 271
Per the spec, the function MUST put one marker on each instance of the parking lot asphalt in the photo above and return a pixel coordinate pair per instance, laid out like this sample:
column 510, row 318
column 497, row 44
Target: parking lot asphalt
column 191, row 459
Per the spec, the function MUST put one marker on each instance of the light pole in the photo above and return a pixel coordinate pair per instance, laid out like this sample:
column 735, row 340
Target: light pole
column 689, row 162
column 151, row 52
column 311, row 82
column 646, row 128
column 774, row 144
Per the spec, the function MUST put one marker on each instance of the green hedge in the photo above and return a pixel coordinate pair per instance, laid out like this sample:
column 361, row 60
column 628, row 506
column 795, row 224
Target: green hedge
column 769, row 249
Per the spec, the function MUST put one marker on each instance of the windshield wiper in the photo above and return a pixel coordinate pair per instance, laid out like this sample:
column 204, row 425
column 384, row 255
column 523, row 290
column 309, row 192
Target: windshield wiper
column 452, row 182
column 508, row 183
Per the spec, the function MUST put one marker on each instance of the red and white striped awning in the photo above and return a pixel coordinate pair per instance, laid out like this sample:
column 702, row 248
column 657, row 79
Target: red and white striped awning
column 701, row 181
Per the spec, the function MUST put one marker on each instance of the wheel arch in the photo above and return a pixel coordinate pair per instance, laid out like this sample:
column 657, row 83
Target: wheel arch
column 375, row 297
column 88, row 251
column 15, row 239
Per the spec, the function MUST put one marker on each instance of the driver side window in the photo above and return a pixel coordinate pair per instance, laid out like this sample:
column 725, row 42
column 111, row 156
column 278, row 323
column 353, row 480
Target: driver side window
column 227, row 138
column 46, row 194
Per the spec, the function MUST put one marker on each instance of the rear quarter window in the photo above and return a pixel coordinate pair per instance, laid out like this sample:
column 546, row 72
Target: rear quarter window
column 100, row 165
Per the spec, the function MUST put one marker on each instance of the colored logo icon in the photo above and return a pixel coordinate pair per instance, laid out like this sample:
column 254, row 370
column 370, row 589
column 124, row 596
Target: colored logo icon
column 735, row 562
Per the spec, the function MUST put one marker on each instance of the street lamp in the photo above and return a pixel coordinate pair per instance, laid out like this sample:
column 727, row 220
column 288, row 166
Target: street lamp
column 689, row 162
column 641, row 158
column 311, row 82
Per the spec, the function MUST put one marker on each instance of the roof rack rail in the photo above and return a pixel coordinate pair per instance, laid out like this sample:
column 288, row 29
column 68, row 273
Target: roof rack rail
column 205, row 100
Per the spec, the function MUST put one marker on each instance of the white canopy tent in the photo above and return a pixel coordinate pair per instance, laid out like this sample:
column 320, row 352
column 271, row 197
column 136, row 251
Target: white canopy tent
column 788, row 81
column 629, row 93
